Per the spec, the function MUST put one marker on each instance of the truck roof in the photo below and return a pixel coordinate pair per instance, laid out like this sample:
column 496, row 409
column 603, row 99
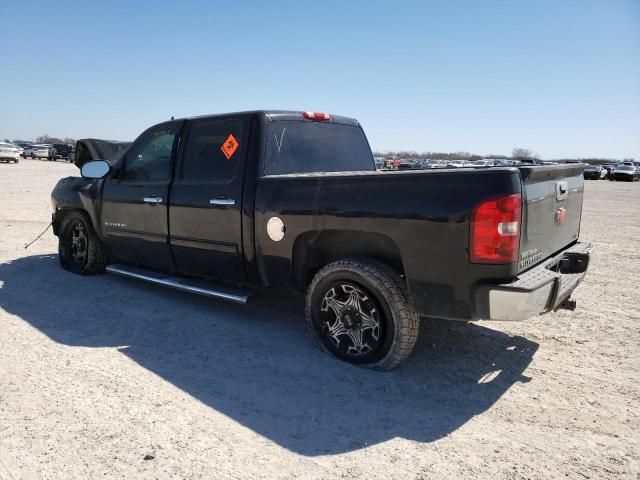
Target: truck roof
column 275, row 115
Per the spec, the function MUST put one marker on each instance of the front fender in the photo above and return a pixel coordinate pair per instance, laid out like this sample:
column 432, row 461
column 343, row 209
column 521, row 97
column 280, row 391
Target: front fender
column 76, row 193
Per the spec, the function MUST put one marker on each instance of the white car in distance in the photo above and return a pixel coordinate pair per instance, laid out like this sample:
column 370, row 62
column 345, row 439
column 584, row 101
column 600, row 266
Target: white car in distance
column 41, row 151
column 9, row 153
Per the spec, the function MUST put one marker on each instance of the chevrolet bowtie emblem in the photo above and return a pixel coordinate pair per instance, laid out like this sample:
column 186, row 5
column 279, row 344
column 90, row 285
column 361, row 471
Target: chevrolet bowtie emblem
column 561, row 214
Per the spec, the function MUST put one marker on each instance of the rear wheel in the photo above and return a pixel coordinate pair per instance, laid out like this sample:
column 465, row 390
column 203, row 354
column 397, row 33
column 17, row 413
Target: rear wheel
column 360, row 311
column 79, row 249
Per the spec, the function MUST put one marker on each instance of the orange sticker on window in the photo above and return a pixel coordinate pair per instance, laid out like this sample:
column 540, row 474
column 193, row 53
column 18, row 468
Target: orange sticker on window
column 229, row 146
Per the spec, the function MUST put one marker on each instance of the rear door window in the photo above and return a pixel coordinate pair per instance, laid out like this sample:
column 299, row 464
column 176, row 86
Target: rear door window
column 213, row 150
column 307, row 147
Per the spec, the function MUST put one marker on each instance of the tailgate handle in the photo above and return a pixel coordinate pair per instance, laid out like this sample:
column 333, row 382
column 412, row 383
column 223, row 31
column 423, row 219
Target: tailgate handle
column 562, row 190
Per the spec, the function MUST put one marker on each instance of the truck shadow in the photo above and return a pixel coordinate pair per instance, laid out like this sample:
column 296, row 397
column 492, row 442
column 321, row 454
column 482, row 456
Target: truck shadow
column 257, row 365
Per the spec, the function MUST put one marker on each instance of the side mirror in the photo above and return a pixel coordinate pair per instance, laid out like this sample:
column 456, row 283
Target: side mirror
column 95, row 169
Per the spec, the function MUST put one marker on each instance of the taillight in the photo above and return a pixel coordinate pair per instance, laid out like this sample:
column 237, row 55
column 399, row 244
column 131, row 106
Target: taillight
column 323, row 117
column 495, row 230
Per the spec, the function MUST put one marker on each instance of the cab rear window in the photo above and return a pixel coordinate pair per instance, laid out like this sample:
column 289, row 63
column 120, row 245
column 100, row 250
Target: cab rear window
column 308, row 147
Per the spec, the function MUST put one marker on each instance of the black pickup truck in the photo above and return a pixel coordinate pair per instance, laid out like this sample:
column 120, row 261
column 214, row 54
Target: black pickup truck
column 292, row 200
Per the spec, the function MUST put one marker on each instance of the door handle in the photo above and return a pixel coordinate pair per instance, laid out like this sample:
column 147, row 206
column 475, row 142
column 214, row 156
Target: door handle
column 222, row 201
column 152, row 199
column 562, row 190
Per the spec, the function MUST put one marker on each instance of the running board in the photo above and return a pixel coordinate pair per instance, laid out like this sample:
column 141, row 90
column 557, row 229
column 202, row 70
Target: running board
column 184, row 284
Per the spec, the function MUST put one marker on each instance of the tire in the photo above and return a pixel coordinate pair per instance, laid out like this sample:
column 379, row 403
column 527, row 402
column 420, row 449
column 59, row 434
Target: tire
column 359, row 310
column 79, row 249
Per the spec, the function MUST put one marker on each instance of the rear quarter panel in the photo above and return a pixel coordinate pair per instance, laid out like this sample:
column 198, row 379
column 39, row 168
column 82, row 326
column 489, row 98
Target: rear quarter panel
column 425, row 214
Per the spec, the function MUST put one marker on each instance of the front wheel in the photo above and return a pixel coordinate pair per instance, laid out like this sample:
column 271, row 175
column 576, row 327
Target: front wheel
column 79, row 249
column 360, row 311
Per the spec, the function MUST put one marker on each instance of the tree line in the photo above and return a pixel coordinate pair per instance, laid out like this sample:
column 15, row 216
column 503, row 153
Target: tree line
column 44, row 139
column 518, row 153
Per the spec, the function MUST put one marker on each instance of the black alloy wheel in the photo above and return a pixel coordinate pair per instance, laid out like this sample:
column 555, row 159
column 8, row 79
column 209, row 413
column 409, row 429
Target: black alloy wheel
column 359, row 310
column 77, row 245
column 351, row 322
column 79, row 248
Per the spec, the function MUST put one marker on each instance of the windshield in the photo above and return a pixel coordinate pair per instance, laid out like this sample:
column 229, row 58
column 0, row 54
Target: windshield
column 305, row 147
column 625, row 167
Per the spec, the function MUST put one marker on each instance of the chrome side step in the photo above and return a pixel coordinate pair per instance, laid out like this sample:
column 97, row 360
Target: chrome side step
column 186, row 285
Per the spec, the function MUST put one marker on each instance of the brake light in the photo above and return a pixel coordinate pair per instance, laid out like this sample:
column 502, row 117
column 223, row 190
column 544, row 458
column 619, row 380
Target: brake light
column 495, row 230
column 322, row 117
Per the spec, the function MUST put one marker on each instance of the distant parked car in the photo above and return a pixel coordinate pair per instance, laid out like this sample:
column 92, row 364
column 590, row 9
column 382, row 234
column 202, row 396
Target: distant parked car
column 502, row 162
column 395, row 162
column 457, row 163
column 19, row 148
column 594, row 172
column 609, row 168
column 431, row 164
column 72, row 155
column 409, row 165
column 481, row 163
column 42, row 151
column 9, row 153
column 61, row 150
column 633, row 164
column 28, row 151
column 625, row 172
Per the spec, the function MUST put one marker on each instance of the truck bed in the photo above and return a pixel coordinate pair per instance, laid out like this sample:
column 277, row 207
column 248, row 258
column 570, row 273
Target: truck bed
column 422, row 215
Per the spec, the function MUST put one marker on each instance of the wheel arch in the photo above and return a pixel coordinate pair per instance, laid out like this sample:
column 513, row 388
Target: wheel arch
column 62, row 213
column 76, row 194
column 314, row 249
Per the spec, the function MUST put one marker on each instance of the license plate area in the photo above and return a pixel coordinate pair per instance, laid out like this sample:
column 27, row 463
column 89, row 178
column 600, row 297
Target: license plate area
column 573, row 262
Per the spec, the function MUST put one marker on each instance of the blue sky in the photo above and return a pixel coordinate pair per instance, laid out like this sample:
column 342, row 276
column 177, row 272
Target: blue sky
column 559, row 77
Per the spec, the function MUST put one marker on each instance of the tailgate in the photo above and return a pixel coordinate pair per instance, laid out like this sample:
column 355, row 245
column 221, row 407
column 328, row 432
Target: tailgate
column 552, row 207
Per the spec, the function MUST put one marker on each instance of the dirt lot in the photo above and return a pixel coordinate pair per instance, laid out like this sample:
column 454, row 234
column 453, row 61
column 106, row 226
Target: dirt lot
column 98, row 372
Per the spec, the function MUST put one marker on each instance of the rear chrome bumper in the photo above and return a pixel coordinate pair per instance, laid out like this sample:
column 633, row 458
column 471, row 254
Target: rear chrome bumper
column 539, row 290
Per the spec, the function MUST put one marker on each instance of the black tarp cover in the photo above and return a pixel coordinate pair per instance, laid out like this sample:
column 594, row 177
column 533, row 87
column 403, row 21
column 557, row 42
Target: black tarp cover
column 94, row 149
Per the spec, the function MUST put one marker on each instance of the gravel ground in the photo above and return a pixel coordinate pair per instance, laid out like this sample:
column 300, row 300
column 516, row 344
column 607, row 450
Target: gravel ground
column 104, row 377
